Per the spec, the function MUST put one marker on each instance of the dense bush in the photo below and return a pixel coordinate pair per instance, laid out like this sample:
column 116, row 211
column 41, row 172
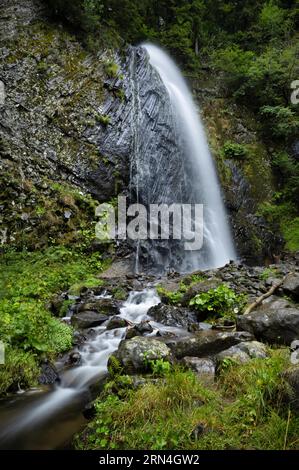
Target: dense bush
column 281, row 121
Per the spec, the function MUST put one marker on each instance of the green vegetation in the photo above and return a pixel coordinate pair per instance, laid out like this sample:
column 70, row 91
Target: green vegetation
column 243, row 410
column 233, row 150
column 176, row 296
column 111, row 69
column 158, row 367
column 103, row 119
column 119, row 293
column 269, row 272
column 28, row 282
column 20, row 370
column 171, row 297
column 281, row 121
column 219, row 302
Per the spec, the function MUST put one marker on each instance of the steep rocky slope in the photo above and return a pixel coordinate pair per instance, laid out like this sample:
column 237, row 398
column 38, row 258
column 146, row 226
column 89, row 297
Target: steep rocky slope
column 50, row 126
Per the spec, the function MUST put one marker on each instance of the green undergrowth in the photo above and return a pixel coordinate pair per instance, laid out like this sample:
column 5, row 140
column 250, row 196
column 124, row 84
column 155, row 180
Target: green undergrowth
column 176, row 296
column 269, row 272
column 219, row 302
column 282, row 215
column 28, row 282
column 242, row 410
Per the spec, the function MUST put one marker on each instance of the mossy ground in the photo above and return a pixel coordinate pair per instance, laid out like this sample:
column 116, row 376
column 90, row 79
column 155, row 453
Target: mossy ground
column 242, row 410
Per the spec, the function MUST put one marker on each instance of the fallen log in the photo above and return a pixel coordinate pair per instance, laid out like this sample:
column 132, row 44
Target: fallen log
column 260, row 299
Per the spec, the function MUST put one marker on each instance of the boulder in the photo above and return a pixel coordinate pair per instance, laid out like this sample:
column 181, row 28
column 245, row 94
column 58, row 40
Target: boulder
column 89, row 411
column 291, row 376
column 254, row 349
column 141, row 329
column 291, row 286
column 104, row 306
column 74, row 358
column 294, row 347
column 117, row 322
column 49, row 374
column 203, row 367
column 131, row 353
column 88, row 319
column 276, row 322
column 233, row 353
column 171, row 315
column 206, row 343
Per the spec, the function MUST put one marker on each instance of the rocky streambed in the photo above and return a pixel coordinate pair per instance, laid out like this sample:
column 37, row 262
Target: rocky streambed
column 129, row 321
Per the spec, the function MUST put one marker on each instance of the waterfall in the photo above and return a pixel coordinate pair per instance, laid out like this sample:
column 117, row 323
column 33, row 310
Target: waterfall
column 175, row 165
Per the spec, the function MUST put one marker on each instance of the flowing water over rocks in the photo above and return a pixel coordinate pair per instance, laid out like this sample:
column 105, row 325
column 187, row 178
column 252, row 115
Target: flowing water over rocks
column 47, row 417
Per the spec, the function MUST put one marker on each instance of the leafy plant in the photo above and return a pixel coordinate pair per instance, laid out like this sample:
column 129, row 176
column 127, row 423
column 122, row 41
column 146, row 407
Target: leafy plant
column 268, row 272
column 160, row 367
column 219, row 302
column 119, row 385
column 234, row 150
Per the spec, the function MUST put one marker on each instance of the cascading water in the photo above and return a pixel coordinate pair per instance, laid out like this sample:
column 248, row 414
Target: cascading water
column 47, row 420
column 176, row 166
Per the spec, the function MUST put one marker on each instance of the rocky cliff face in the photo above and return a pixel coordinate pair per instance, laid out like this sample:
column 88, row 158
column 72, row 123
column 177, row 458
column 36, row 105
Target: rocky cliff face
column 50, row 127
column 247, row 182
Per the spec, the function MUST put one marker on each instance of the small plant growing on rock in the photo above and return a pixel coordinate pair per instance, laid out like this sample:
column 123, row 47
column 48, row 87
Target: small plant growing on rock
column 234, row 150
column 158, row 367
column 42, row 67
column 111, row 69
column 103, row 119
column 268, row 272
column 220, row 302
column 114, row 366
column 119, row 385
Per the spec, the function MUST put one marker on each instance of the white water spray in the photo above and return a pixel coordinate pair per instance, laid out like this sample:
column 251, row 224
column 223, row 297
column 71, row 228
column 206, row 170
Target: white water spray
column 217, row 237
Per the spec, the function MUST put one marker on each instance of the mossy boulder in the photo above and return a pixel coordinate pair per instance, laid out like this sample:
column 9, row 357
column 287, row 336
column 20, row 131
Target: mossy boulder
column 134, row 354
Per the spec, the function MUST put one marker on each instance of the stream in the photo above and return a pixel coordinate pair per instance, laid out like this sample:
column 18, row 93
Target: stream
column 47, row 418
